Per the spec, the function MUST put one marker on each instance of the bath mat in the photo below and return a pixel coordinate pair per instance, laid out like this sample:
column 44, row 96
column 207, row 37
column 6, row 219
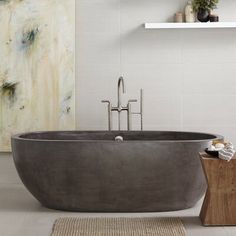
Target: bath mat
column 118, row 227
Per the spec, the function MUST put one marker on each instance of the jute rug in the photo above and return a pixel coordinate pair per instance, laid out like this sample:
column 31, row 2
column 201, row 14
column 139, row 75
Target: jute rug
column 118, row 227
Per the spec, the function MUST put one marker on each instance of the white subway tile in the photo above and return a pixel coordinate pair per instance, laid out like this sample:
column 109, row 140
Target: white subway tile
column 208, row 46
column 150, row 47
column 162, row 110
column 98, row 49
column 204, row 110
column 158, row 79
column 214, row 79
column 98, row 16
column 137, row 12
column 97, row 78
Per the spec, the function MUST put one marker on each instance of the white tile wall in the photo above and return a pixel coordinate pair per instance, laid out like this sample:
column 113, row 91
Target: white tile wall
column 209, row 79
column 210, row 110
column 209, row 46
column 98, row 16
column 189, row 76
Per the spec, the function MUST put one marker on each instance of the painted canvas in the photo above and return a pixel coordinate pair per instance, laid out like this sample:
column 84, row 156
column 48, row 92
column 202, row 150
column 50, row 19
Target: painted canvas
column 37, row 80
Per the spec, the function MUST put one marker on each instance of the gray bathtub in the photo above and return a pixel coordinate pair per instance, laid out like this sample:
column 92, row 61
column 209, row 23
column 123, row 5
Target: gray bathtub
column 88, row 171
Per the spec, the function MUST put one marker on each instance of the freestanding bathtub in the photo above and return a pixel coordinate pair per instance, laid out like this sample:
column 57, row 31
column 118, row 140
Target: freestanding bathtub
column 89, row 171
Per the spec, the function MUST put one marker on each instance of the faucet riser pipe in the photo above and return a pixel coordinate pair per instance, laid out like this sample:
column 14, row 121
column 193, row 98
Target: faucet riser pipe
column 141, row 108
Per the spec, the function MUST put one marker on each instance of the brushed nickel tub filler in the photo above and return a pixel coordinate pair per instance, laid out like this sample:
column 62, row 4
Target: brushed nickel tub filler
column 112, row 171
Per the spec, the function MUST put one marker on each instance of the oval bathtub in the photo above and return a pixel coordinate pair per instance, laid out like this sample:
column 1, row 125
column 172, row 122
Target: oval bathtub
column 148, row 171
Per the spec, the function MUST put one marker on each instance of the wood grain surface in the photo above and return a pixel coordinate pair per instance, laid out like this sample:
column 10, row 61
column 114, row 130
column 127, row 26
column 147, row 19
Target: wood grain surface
column 219, row 206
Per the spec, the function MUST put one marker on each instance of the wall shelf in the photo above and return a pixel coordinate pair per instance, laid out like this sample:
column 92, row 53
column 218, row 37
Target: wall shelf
column 210, row 25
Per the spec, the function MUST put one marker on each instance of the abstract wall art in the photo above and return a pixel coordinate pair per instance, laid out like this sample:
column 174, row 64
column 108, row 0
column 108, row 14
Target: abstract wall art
column 37, row 77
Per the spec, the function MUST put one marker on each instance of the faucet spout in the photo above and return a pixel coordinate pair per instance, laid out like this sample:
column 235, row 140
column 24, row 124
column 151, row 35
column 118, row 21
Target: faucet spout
column 123, row 108
column 120, row 83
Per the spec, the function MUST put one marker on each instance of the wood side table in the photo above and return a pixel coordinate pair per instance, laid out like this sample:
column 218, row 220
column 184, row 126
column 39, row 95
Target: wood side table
column 219, row 206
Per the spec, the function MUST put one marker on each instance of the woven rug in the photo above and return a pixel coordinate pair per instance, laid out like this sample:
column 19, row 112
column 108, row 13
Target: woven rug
column 118, row 227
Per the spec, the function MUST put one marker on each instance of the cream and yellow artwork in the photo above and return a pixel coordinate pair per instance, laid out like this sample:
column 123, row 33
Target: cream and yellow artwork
column 37, row 80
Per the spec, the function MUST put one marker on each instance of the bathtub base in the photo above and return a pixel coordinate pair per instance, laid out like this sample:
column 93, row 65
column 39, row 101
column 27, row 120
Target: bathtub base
column 116, row 210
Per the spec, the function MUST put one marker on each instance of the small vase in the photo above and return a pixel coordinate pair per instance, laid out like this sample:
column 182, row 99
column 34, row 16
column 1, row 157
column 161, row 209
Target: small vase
column 203, row 15
column 189, row 13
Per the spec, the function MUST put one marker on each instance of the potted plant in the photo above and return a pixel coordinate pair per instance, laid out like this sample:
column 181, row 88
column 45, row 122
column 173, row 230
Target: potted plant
column 203, row 8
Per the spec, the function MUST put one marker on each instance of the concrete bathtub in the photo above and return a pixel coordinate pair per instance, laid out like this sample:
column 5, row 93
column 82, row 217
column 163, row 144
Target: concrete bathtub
column 88, row 171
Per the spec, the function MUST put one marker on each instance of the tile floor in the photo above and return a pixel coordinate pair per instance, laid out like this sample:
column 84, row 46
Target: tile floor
column 22, row 215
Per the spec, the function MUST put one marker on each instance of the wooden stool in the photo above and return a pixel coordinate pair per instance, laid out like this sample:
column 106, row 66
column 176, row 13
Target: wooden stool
column 219, row 206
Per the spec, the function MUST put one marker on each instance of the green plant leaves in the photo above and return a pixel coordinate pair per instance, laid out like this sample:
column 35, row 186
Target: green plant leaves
column 204, row 4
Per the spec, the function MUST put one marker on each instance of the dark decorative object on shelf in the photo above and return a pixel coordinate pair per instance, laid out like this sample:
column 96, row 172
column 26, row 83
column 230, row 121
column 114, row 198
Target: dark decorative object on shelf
column 214, row 18
column 203, row 15
column 203, row 8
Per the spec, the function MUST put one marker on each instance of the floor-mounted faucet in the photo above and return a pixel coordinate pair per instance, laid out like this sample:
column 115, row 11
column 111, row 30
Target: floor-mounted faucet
column 119, row 108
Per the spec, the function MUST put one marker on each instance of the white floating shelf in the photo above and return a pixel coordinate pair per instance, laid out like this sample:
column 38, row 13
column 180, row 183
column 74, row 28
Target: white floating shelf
column 211, row 25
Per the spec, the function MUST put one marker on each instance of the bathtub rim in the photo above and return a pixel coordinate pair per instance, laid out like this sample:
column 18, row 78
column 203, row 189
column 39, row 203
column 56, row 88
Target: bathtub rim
column 17, row 137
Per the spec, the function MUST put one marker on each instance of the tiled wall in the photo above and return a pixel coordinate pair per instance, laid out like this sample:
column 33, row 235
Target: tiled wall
column 189, row 76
